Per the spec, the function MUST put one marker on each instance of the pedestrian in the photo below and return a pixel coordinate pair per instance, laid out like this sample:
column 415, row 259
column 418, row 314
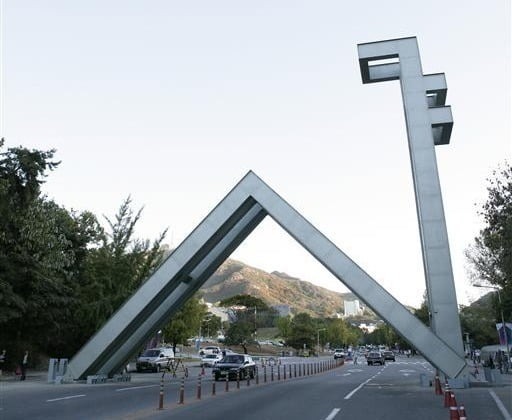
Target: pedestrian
column 3, row 360
column 24, row 363
column 355, row 358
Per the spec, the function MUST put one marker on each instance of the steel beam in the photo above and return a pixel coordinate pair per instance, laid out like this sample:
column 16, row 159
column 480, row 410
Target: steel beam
column 191, row 264
column 429, row 122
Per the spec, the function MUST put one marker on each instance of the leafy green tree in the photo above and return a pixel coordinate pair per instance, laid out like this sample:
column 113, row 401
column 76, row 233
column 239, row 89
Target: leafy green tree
column 185, row 323
column 254, row 311
column 245, row 300
column 239, row 332
column 284, row 325
column 42, row 246
column 490, row 257
column 340, row 333
column 211, row 324
column 478, row 321
column 423, row 312
column 115, row 269
column 302, row 332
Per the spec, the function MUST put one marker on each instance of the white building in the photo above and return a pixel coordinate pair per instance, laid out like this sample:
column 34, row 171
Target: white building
column 352, row 307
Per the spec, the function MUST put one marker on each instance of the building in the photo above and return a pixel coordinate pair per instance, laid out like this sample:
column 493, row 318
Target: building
column 352, row 307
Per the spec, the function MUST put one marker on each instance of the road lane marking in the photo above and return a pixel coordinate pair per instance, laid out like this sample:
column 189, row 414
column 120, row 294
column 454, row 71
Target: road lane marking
column 349, row 395
column 135, row 387
column 501, row 407
column 333, row 414
column 66, row 398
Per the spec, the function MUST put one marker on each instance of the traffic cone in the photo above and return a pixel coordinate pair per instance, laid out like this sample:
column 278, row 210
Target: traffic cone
column 462, row 413
column 453, row 401
column 454, row 413
column 446, row 395
column 438, row 389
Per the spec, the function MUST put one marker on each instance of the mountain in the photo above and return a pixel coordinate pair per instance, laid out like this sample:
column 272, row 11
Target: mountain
column 236, row 278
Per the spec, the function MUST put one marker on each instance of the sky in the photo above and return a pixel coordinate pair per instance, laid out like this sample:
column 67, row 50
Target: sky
column 173, row 102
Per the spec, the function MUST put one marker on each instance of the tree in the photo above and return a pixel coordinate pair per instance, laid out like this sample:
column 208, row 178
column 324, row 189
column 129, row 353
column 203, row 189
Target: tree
column 478, row 321
column 284, row 325
column 302, row 332
column 340, row 333
column 245, row 300
column 239, row 332
column 115, row 269
column 211, row 324
column 42, row 246
column 185, row 323
column 423, row 312
column 490, row 257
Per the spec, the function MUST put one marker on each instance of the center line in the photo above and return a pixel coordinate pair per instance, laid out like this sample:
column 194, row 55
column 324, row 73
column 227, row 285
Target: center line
column 66, row 398
column 332, row 414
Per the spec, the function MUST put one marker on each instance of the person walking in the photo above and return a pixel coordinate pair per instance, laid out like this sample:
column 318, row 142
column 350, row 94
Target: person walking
column 24, row 363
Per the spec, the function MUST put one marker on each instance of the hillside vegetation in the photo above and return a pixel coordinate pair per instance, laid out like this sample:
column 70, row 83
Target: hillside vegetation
column 236, row 278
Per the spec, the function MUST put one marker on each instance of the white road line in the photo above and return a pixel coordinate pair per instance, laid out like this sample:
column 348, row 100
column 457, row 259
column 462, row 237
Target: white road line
column 66, row 398
column 504, row 412
column 349, row 395
column 332, row 414
column 135, row 387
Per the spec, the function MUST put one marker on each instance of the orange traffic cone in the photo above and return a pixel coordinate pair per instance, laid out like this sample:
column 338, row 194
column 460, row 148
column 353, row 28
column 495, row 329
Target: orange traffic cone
column 446, row 395
column 453, row 401
column 462, row 413
column 438, row 389
column 454, row 413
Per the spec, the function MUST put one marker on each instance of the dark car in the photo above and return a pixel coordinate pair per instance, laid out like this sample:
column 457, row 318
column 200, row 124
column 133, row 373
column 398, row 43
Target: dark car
column 375, row 357
column 233, row 366
column 389, row 355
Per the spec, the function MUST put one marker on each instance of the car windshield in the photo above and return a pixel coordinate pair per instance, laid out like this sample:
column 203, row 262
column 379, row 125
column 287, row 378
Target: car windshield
column 233, row 359
column 151, row 353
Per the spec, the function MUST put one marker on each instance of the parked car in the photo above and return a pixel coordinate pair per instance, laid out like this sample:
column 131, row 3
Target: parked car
column 210, row 360
column 389, row 355
column 154, row 360
column 375, row 357
column 339, row 354
column 233, row 365
column 209, row 350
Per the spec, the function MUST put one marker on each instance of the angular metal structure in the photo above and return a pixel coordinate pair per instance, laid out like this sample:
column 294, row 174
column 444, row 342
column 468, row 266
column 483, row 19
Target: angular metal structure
column 429, row 123
column 204, row 250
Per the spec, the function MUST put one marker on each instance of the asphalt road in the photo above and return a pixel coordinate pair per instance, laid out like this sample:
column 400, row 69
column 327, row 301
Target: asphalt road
column 351, row 391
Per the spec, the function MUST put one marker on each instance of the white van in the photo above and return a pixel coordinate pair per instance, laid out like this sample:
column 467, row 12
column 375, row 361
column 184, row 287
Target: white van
column 154, row 360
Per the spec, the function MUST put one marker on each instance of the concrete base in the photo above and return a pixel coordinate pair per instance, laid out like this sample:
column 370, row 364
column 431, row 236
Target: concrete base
column 458, row 383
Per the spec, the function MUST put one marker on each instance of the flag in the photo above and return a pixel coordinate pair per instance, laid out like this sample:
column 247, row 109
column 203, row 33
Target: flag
column 505, row 334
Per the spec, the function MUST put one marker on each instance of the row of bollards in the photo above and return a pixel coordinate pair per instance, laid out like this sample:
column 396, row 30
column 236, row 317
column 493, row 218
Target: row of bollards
column 298, row 370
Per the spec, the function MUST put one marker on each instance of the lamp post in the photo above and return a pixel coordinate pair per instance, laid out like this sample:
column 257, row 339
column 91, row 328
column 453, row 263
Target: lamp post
column 318, row 340
column 501, row 312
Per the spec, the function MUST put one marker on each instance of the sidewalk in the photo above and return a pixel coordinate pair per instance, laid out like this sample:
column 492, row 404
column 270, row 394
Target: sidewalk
column 482, row 391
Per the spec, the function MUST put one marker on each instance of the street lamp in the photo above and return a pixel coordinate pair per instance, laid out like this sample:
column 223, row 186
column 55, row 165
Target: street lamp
column 318, row 340
column 501, row 312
